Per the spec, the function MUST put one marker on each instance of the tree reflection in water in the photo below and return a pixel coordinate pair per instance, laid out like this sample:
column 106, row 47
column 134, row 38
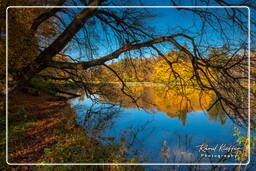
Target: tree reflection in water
column 100, row 114
column 96, row 117
column 174, row 102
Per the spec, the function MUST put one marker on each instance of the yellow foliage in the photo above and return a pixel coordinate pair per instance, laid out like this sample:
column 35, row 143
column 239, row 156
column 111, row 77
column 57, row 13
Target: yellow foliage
column 180, row 72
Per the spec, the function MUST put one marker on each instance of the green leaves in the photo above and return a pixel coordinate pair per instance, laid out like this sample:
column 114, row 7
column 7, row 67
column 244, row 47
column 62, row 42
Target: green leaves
column 236, row 132
column 243, row 140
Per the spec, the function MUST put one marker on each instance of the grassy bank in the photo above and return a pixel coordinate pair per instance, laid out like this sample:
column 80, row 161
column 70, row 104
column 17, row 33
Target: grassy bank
column 135, row 83
column 42, row 129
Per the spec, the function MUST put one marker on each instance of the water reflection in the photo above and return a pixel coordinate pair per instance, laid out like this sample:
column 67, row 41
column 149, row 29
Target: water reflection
column 173, row 102
column 95, row 116
column 167, row 128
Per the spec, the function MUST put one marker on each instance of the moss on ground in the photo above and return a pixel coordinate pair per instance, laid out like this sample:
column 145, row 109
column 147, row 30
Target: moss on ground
column 70, row 145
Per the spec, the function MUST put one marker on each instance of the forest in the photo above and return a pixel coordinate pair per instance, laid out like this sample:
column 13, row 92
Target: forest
column 154, row 69
column 75, row 72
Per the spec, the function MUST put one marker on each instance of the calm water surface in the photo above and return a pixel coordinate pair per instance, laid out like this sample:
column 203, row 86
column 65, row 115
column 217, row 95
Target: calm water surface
column 166, row 129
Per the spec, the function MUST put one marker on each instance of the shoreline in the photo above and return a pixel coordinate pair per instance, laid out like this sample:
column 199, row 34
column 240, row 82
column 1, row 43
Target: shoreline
column 42, row 129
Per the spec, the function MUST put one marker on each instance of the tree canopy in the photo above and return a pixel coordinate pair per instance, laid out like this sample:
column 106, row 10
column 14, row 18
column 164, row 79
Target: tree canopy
column 77, row 44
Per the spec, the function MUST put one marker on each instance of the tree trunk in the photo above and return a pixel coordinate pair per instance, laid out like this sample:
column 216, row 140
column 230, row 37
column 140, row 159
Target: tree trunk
column 42, row 61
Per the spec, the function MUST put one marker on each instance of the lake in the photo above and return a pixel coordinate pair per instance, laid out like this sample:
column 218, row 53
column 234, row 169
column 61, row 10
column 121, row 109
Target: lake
column 160, row 124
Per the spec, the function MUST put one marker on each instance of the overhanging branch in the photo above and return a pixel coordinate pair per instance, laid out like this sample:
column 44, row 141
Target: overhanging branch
column 125, row 48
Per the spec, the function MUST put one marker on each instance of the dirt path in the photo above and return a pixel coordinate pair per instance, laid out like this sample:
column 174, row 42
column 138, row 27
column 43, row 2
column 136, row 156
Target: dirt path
column 45, row 111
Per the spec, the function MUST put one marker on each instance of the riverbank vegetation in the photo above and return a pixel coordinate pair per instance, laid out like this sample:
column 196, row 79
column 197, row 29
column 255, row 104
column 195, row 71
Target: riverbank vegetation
column 43, row 130
column 56, row 54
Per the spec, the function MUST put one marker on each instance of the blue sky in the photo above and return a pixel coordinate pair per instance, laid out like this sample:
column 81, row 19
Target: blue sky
column 170, row 21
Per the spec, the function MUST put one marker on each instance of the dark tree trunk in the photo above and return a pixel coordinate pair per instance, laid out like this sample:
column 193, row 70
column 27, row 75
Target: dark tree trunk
column 45, row 57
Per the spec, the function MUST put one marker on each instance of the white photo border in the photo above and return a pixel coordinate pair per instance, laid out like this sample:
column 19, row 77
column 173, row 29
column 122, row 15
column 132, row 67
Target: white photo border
column 162, row 164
